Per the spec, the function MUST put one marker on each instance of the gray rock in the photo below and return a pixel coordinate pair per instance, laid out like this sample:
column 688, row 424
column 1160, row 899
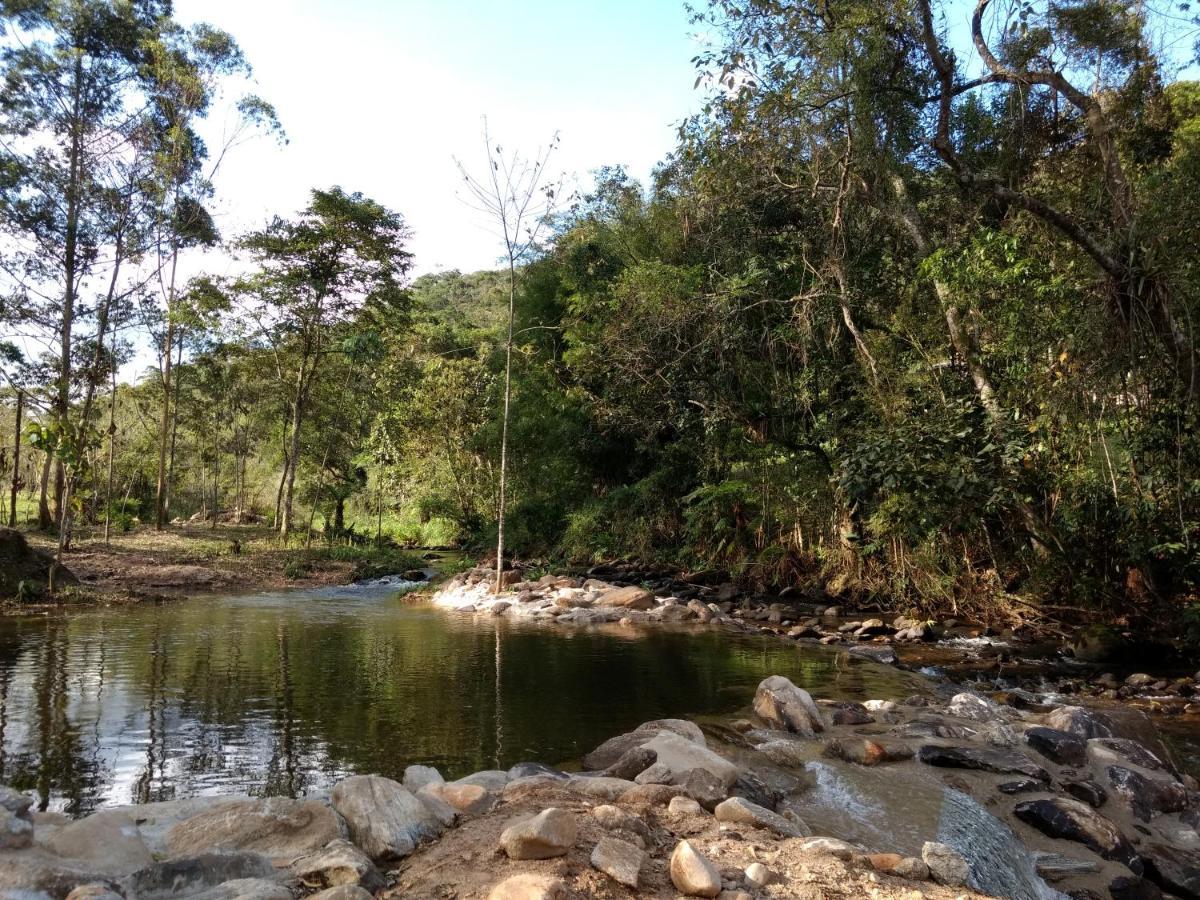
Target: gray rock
column 16, row 832
column 416, row 777
column 277, row 827
column 195, row 874
column 692, row 874
column 385, row 820
column 632, row 763
column 1061, row 817
column 783, row 705
column 492, row 779
column 999, row 761
column 16, row 802
column 1055, row 867
column 342, row 892
column 245, row 889
column 911, row 868
column 876, row 653
column 446, row 814
column 619, row 860
column 339, row 863
column 599, row 786
column 743, row 812
column 613, row 749
column 550, row 833
column 110, row 840
column 525, row 769
column 677, row 757
column 684, row 806
column 946, row 865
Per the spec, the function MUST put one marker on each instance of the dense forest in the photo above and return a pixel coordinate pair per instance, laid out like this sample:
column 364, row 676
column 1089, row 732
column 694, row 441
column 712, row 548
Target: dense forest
column 907, row 313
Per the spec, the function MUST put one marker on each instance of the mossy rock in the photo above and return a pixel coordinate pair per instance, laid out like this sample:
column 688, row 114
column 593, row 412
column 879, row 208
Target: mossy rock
column 21, row 563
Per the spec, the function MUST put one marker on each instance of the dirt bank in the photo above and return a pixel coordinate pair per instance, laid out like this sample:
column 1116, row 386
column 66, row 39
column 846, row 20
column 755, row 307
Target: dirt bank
column 144, row 564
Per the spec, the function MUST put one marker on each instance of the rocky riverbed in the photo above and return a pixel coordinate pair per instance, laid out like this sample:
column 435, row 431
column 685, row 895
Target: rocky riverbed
column 972, row 794
column 805, row 799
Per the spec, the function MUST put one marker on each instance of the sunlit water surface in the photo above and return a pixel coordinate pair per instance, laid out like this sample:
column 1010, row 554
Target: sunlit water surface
column 284, row 693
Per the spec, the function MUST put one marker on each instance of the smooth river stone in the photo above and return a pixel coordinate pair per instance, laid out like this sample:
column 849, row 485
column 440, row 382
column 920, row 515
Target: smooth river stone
column 1061, row 817
column 692, row 874
column 550, row 833
column 385, row 820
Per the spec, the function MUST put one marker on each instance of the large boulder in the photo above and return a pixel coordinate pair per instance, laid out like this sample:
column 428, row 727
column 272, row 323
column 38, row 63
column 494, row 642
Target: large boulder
column 338, row 863
column 1083, row 723
column 782, row 705
column 385, row 820
column 277, row 827
column 608, row 754
column 677, row 758
column 109, row 840
column 1071, row 820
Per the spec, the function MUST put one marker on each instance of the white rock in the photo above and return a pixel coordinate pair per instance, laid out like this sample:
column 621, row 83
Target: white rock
column 550, row 833
column 529, row 887
column 684, row 806
column 758, row 875
column 692, row 874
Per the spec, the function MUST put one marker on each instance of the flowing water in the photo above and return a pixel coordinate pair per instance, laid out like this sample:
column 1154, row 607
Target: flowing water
column 284, row 693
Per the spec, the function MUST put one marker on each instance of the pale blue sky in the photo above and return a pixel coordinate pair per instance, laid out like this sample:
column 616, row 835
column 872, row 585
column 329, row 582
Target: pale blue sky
column 380, row 96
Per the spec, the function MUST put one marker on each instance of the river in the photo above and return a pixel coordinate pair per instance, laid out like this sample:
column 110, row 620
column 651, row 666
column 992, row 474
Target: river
column 284, row 693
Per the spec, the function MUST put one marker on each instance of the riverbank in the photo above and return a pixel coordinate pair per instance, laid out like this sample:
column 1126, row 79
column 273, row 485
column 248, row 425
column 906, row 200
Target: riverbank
column 182, row 561
column 961, row 797
column 1024, row 667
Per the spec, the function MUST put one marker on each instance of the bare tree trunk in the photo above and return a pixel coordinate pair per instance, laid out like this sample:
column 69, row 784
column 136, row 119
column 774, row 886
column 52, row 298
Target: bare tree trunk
column 164, row 429
column 16, row 475
column 45, row 520
column 112, row 439
column 508, row 347
column 285, row 527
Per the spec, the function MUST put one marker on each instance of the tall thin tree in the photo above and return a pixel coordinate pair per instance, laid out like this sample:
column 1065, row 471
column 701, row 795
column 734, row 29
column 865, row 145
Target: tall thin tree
column 518, row 198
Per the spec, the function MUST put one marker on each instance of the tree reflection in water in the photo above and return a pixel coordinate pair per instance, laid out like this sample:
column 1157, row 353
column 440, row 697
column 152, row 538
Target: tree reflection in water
column 283, row 694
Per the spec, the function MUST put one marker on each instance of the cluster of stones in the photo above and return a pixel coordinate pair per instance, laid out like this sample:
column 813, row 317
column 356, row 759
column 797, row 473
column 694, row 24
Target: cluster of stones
column 647, row 808
column 1178, row 695
column 591, row 600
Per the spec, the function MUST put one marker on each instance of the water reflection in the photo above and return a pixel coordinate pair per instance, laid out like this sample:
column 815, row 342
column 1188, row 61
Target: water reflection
column 285, row 693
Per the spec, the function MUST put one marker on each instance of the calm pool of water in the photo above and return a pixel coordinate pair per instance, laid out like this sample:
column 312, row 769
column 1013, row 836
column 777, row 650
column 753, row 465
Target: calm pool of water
column 283, row 693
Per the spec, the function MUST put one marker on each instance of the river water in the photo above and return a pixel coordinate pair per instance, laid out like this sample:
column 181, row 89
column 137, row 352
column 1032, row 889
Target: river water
column 284, row 693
